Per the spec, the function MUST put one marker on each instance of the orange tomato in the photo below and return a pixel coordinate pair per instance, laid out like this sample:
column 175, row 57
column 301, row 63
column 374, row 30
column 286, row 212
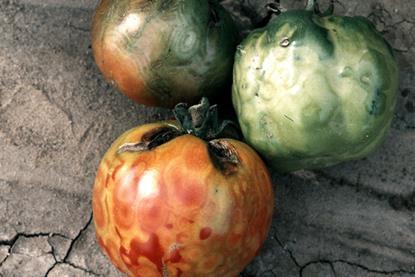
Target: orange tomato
column 181, row 208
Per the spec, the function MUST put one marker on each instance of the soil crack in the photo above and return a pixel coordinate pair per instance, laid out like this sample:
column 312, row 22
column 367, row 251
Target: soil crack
column 331, row 263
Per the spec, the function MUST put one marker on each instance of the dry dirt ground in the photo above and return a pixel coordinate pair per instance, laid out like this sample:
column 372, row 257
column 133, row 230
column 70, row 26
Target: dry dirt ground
column 58, row 116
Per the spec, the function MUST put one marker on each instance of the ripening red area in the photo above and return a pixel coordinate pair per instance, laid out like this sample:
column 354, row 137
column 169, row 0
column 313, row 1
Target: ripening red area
column 205, row 233
column 151, row 249
column 189, row 191
column 175, row 256
column 152, row 214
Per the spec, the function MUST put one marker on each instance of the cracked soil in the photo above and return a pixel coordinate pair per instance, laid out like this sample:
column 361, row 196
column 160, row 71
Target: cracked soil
column 58, row 116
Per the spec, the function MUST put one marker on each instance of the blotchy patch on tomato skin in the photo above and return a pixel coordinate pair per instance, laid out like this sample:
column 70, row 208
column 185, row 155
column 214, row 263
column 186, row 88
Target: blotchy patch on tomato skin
column 98, row 211
column 185, row 188
column 205, row 233
column 263, row 221
column 144, row 270
column 234, row 240
column 100, row 176
column 142, row 162
column 183, row 237
column 210, row 263
column 196, row 158
column 123, row 198
column 151, row 249
column 111, row 251
column 107, row 181
column 124, row 194
column 193, row 253
column 122, row 173
column 118, row 67
column 189, row 194
column 98, row 199
column 175, row 256
column 115, row 171
column 152, row 214
column 264, row 191
column 150, row 204
column 124, row 216
column 108, row 251
column 105, row 164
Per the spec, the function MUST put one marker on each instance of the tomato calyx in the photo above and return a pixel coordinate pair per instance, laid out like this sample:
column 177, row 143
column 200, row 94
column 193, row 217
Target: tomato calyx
column 202, row 121
column 274, row 8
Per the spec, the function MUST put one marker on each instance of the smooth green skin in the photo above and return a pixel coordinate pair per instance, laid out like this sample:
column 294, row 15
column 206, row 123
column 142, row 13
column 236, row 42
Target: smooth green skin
column 327, row 97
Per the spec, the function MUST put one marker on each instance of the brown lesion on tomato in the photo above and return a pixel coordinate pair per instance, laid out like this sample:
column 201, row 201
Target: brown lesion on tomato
column 223, row 156
column 150, row 140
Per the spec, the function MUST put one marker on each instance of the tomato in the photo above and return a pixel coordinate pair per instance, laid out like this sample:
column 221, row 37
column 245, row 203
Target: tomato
column 160, row 53
column 323, row 89
column 172, row 204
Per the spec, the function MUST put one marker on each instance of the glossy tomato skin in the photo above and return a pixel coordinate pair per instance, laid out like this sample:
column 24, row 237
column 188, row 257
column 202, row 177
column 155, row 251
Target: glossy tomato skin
column 323, row 89
column 160, row 53
column 170, row 210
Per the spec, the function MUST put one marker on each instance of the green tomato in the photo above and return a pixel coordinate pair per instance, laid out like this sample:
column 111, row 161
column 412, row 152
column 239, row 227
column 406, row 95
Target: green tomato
column 313, row 90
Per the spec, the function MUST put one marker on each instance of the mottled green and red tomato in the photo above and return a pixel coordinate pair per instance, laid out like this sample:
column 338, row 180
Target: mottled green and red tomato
column 177, row 209
column 160, row 53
